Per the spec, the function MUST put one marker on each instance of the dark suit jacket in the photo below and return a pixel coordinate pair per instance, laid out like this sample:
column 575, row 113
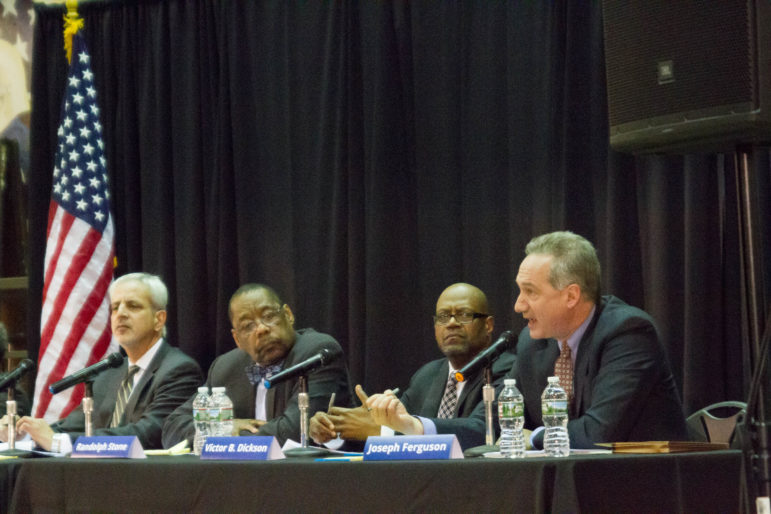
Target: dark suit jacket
column 426, row 388
column 167, row 382
column 283, row 413
column 623, row 386
column 23, row 408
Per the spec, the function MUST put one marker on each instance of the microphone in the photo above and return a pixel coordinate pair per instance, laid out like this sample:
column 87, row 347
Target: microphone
column 11, row 378
column 112, row 361
column 325, row 356
column 486, row 357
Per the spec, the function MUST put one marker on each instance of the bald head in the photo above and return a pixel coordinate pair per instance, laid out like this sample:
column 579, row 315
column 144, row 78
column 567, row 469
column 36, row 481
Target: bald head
column 462, row 341
column 472, row 294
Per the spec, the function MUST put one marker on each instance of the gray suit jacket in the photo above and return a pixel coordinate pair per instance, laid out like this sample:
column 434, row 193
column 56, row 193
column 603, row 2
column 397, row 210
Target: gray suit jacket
column 283, row 413
column 623, row 386
column 169, row 380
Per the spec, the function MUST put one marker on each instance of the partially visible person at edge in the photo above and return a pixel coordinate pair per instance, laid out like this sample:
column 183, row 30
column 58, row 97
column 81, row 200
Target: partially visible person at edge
column 20, row 396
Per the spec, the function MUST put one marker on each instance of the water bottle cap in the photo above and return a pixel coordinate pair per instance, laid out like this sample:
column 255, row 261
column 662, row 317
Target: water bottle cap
column 554, row 380
column 509, row 381
column 218, row 389
column 203, row 389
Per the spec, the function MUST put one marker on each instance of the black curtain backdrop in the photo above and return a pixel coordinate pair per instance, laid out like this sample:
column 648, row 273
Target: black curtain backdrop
column 361, row 156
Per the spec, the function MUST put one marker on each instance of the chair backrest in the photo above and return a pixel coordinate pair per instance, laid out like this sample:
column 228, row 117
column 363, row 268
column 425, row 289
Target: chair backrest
column 716, row 423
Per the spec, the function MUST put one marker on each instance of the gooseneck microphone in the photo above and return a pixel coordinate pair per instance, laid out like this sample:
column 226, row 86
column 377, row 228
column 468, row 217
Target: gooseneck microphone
column 486, row 357
column 112, row 361
column 324, row 357
column 13, row 377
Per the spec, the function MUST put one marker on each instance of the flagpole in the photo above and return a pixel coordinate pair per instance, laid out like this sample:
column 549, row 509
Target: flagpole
column 72, row 24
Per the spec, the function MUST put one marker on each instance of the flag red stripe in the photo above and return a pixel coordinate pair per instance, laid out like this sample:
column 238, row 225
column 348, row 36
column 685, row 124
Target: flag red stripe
column 74, row 270
column 52, row 207
column 100, row 348
column 88, row 310
column 64, row 228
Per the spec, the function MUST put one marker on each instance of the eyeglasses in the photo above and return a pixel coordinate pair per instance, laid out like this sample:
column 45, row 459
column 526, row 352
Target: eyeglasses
column 463, row 317
column 269, row 318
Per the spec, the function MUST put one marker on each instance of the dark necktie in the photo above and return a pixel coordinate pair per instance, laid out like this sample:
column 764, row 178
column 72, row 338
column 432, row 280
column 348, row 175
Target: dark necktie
column 449, row 400
column 257, row 373
column 563, row 368
column 123, row 395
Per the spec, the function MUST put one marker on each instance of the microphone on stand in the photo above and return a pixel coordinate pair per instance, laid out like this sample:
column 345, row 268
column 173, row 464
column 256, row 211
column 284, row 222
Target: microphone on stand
column 486, row 357
column 324, row 357
column 9, row 382
column 112, row 361
column 484, row 360
column 11, row 378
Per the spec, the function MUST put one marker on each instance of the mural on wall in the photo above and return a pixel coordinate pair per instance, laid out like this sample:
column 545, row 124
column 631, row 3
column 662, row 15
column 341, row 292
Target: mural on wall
column 16, row 21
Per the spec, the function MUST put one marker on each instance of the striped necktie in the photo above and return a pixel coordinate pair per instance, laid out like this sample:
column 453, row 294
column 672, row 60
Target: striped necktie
column 123, row 395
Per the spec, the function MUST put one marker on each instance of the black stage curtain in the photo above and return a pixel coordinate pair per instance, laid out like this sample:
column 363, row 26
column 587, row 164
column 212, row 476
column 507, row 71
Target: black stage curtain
column 361, row 156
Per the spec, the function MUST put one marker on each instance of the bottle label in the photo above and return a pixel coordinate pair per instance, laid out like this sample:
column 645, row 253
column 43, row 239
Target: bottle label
column 510, row 410
column 554, row 407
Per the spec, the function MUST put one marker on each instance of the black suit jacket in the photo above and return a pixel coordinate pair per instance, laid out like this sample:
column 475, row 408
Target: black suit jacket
column 426, row 388
column 167, row 382
column 283, row 413
column 623, row 385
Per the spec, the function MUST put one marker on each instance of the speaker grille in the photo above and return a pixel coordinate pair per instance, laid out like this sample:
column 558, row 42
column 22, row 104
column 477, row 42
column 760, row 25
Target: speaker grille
column 710, row 45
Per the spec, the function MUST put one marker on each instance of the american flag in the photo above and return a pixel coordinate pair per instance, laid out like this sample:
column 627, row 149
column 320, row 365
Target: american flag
column 74, row 323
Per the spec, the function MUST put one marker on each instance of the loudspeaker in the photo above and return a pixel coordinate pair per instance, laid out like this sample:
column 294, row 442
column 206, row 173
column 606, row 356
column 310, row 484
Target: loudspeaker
column 688, row 76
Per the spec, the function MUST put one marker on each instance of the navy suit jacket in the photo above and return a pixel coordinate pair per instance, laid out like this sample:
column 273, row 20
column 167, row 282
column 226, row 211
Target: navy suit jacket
column 623, row 386
column 283, row 413
column 168, row 381
column 426, row 388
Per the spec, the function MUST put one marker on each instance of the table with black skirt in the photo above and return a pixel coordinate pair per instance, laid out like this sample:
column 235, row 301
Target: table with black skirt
column 690, row 482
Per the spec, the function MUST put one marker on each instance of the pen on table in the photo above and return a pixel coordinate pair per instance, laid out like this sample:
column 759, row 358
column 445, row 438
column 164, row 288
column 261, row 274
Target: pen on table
column 394, row 392
column 331, row 402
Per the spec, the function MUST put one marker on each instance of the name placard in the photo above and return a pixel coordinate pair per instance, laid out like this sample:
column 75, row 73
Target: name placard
column 108, row 447
column 253, row 447
column 413, row 447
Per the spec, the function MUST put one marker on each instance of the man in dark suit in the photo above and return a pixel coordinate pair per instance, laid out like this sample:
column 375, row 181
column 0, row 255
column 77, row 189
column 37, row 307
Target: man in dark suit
column 263, row 330
column 622, row 387
column 20, row 396
column 161, row 377
column 463, row 328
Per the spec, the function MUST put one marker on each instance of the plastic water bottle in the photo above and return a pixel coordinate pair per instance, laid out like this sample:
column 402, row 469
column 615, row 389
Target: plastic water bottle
column 201, row 418
column 554, row 406
column 214, row 413
column 511, row 416
column 222, row 406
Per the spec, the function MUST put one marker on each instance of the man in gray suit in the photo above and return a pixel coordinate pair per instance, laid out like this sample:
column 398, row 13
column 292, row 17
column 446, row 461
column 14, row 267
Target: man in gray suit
column 263, row 330
column 161, row 376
